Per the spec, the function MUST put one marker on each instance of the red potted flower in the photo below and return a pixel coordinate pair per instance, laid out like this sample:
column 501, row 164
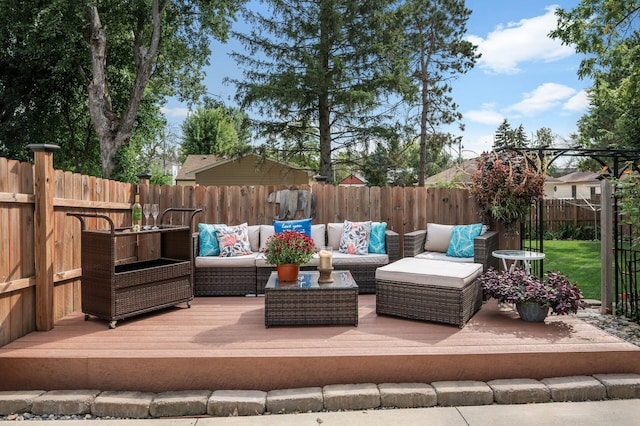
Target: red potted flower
column 289, row 248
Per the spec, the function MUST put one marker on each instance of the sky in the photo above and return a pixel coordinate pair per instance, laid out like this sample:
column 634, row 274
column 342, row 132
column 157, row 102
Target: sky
column 523, row 75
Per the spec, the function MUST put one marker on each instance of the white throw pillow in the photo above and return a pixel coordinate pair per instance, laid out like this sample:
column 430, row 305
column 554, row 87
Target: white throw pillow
column 334, row 234
column 438, row 237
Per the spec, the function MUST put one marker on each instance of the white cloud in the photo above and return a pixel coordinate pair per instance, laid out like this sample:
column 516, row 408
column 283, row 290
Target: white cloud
column 523, row 41
column 175, row 112
column 577, row 103
column 486, row 115
column 476, row 145
column 543, row 98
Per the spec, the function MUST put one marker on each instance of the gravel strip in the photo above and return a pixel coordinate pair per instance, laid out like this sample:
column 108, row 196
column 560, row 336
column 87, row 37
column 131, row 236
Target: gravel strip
column 620, row 327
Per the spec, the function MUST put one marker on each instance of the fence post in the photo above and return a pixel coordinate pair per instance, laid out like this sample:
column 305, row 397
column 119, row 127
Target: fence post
column 44, row 187
column 606, row 248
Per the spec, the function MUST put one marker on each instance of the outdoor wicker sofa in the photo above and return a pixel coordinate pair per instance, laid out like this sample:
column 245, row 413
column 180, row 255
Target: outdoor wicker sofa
column 433, row 242
column 248, row 274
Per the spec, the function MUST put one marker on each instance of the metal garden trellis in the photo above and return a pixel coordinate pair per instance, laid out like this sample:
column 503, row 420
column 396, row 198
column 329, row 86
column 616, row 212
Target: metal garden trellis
column 625, row 259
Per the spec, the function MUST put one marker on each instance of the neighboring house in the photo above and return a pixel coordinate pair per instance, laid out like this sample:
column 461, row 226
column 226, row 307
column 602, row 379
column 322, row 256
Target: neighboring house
column 551, row 186
column 248, row 170
column 459, row 174
column 352, row 180
column 576, row 185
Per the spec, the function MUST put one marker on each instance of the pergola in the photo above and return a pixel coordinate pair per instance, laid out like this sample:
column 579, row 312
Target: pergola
column 614, row 162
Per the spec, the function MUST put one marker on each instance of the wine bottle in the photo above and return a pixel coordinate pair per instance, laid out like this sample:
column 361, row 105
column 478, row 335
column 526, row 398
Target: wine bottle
column 136, row 214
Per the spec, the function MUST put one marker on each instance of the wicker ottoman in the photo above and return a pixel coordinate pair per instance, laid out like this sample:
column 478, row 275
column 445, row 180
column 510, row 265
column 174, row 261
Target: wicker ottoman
column 429, row 290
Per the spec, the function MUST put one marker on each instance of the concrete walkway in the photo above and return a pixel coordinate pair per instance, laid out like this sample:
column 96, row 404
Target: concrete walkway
column 610, row 412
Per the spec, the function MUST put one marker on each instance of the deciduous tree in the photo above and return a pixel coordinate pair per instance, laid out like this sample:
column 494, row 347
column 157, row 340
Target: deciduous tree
column 118, row 58
column 607, row 33
column 209, row 131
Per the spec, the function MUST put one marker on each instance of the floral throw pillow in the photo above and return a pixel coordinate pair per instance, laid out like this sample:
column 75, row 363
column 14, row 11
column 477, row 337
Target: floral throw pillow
column 234, row 240
column 355, row 237
column 462, row 237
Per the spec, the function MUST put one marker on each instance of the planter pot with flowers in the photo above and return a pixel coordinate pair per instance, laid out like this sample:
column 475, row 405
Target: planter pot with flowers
column 505, row 186
column 532, row 297
column 288, row 250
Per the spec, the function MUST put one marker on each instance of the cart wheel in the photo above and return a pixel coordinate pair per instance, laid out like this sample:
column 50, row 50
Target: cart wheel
column 189, row 304
column 86, row 317
column 112, row 324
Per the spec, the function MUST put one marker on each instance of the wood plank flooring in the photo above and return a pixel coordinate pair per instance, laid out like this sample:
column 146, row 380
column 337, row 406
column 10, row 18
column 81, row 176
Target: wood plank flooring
column 221, row 343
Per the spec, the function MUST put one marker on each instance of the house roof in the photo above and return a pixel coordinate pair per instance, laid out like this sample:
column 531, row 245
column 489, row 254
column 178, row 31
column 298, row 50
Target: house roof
column 580, row 177
column 194, row 163
column 551, row 179
column 352, row 180
column 460, row 173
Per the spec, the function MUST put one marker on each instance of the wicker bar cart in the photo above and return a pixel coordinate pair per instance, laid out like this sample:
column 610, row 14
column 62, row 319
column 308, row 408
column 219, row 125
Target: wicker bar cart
column 114, row 288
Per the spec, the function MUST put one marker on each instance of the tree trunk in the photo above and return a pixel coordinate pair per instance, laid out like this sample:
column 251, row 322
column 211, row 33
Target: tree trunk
column 113, row 131
column 324, row 109
column 424, row 106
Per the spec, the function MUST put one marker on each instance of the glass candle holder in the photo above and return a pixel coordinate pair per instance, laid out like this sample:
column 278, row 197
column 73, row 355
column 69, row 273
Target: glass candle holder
column 325, row 264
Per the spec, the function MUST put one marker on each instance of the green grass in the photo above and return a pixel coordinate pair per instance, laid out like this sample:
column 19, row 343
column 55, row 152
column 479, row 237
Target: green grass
column 578, row 260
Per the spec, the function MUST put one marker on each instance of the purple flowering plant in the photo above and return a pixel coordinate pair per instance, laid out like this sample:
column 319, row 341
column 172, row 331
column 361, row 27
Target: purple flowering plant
column 555, row 291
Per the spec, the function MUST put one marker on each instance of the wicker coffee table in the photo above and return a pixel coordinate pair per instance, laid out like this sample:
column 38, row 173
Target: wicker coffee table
column 305, row 302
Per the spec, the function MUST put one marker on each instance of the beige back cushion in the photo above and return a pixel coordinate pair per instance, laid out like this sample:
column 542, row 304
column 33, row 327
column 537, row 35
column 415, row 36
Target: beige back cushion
column 317, row 234
column 334, row 234
column 254, row 237
column 438, row 237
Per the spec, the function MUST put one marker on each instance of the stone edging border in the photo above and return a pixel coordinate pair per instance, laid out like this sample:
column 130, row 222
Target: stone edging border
column 134, row 404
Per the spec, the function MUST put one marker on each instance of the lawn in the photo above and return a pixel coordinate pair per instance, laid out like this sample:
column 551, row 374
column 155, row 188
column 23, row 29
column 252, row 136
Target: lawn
column 578, row 260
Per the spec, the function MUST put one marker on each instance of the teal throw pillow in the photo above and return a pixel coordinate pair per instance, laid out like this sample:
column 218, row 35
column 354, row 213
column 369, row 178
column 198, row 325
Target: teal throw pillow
column 208, row 240
column 377, row 237
column 462, row 236
column 302, row 225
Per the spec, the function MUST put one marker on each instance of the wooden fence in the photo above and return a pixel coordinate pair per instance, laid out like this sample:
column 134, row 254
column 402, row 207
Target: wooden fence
column 560, row 213
column 40, row 271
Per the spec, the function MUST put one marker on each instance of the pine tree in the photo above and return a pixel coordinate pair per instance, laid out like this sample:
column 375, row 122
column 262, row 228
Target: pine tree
column 437, row 53
column 320, row 68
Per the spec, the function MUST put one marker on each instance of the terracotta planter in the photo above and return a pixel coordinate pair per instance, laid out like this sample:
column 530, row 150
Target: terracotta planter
column 288, row 272
column 532, row 311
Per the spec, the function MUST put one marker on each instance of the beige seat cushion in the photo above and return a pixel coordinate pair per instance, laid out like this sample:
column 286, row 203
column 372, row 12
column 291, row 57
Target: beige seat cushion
column 226, row 262
column 359, row 259
column 436, row 255
column 439, row 273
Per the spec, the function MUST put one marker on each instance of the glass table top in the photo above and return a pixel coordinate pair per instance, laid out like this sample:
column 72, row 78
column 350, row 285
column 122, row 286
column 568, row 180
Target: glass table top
column 309, row 280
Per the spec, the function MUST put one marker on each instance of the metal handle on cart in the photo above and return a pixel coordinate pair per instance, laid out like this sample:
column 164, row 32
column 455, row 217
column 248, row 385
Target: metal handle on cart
column 181, row 209
column 83, row 225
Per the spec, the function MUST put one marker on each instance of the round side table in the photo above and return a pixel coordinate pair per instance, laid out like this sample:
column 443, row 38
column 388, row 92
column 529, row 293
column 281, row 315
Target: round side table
column 524, row 256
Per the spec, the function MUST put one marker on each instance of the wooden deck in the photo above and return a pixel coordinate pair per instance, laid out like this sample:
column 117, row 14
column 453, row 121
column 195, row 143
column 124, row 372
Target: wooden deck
column 221, row 343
